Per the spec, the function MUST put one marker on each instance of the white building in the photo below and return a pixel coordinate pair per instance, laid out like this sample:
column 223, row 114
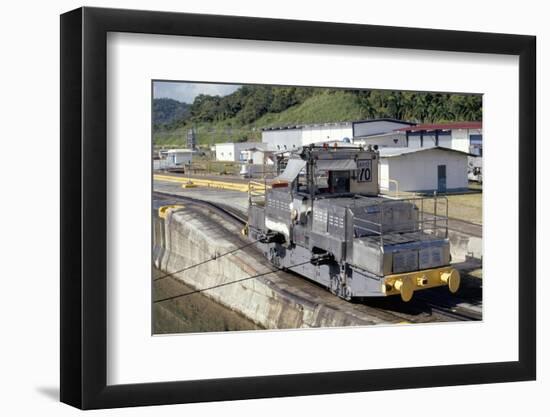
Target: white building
column 393, row 139
column 173, row 158
column 424, row 169
column 292, row 137
column 257, row 155
column 258, row 162
column 177, row 157
column 231, row 151
column 461, row 136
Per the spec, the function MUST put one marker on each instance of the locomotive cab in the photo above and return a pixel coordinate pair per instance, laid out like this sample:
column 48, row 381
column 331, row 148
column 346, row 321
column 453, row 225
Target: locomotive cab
column 325, row 208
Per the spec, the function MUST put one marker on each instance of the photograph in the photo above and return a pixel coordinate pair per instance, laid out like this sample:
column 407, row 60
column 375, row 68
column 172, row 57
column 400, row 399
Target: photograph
column 278, row 207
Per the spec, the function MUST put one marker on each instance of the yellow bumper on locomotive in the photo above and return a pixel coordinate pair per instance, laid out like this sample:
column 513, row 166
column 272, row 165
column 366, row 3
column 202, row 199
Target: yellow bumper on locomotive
column 407, row 283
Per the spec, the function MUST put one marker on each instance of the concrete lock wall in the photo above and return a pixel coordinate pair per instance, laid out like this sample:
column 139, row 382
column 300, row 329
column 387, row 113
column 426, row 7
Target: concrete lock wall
column 274, row 301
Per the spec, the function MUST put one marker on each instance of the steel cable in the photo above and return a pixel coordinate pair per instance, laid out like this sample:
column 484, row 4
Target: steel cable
column 226, row 283
column 205, row 261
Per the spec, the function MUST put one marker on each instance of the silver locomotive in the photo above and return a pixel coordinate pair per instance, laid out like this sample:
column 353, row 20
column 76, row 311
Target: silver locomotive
column 324, row 218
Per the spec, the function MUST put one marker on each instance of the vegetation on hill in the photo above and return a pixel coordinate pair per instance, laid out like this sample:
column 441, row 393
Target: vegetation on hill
column 167, row 113
column 240, row 116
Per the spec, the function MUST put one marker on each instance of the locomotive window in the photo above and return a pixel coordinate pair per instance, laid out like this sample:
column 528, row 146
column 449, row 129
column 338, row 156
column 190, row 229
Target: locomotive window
column 338, row 181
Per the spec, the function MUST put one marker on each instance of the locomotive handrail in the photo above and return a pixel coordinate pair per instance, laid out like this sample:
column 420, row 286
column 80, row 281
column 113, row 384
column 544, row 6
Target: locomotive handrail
column 434, row 220
column 398, row 225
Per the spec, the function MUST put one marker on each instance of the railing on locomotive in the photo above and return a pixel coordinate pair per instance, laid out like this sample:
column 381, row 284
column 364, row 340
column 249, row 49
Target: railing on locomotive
column 431, row 219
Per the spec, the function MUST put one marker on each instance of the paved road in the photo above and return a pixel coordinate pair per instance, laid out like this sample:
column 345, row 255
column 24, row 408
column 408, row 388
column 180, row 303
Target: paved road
column 236, row 199
column 228, row 178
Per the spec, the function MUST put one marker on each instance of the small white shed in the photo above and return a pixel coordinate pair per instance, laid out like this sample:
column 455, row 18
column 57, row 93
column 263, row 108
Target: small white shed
column 178, row 157
column 425, row 169
column 257, row 155
column 230, row 151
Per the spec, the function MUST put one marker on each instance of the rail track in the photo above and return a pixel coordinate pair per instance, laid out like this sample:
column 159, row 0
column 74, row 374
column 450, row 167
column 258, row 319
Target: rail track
column 425, row 308
column 236, row 215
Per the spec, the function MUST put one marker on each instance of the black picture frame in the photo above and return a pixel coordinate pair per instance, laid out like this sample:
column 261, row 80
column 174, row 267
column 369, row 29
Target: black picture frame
column 84, row 207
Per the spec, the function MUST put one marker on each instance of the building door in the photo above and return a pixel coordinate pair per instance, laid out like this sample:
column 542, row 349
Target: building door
column 441, row 178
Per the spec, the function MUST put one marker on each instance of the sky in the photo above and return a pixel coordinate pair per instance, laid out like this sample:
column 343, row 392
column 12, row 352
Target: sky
column 186, row 92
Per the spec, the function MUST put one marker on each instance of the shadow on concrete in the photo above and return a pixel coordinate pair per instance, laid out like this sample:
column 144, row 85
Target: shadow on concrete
column 50, row 392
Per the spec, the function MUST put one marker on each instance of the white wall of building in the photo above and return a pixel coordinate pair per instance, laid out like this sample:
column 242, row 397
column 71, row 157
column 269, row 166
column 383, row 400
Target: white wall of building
column 314, row 134
column 384, row 173
column 258, row 157
column 392, row 140
column 414, row 141
column 230, row 151
column 376, row 127
column 289, row 139
column 175, row 157
column 418, row 171
column 460, row 140
column 180, row 158
column 277, row 139
column 428, row 140
column 446, row 141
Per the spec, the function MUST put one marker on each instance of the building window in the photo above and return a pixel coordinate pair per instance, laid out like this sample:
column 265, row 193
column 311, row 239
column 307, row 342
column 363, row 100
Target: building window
column 476, row 139
column 476, row 145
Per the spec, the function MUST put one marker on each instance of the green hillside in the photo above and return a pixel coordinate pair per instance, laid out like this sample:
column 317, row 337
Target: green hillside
column 167, row 111
column 240, row 116
column 338, row 106
column 207, row 134
column 322, row 108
